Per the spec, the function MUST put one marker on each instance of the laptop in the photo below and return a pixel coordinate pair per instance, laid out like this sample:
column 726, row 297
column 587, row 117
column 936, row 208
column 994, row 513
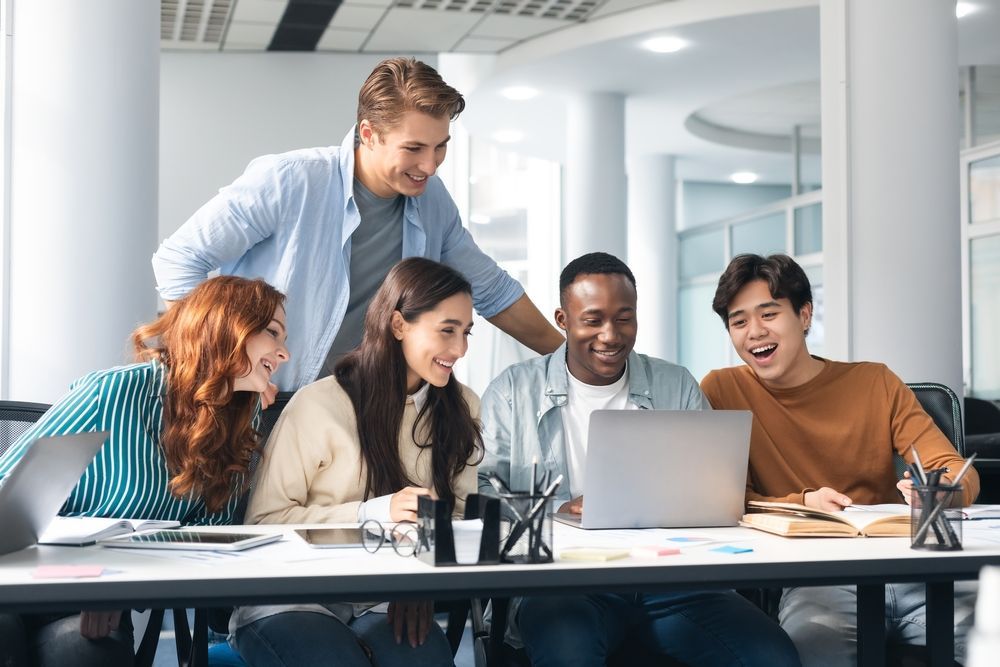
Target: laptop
column 664, row 469
column 34, row 489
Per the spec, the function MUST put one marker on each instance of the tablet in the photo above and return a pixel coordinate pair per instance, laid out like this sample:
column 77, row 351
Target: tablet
column 332, row 538
column 191, row 539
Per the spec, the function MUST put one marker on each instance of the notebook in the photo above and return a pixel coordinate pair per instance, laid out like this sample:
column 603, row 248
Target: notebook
column 664, row 469
column 34, row 489
column 80, row 531
column 794, row 520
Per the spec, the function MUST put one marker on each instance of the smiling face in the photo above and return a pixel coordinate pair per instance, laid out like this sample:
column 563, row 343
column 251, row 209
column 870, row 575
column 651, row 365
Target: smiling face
column 400, row 159
column 770, row 337
column 266, row 350
column 434, row 341
column 598, row 316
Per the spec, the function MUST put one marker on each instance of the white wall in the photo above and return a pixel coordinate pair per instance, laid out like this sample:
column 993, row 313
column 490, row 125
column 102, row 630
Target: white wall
column 220, row 110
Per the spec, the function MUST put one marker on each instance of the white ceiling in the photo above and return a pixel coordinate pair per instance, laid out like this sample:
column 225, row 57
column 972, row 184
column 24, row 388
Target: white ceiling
column 751, row 65
column 382, row 26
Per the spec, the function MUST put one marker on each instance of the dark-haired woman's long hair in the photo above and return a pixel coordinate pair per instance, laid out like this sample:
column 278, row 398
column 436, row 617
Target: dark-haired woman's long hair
column 374, row 377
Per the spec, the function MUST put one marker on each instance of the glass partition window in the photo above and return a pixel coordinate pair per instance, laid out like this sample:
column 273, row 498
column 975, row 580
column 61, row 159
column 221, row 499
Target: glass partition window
column 703, row 343
column 984, row 267
column 702, row 253
column 984, row 191
column 762, row 236
column 809, row 229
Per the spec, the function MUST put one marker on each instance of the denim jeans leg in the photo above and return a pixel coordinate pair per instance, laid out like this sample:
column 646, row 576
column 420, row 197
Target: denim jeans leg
column 374, row 629
column 13, row 641
column 575, row 631
column 906, row 609
column 822, row 622
column 295, row 638
column 713, row 628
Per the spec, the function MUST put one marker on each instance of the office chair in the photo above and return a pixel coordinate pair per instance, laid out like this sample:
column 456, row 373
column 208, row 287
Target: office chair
column 982, row 437
column 944, row 407
column 15, row 418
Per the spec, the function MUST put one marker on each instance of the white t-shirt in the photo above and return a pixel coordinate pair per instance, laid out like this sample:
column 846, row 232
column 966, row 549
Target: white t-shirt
column 582, row 400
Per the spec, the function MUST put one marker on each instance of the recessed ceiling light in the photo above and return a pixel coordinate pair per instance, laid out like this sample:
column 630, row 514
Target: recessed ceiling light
column 743, row 177
column 964, row 9
column 664, row 44
column 519, row 93
column 508, row 136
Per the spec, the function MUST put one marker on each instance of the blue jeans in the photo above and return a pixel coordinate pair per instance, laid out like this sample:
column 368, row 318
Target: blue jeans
column 52, row 640
column 696, row 628
column 297, row 638
column 822, row 621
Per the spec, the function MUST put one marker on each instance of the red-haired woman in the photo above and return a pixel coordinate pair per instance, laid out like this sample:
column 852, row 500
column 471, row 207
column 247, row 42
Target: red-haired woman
column 181, row 439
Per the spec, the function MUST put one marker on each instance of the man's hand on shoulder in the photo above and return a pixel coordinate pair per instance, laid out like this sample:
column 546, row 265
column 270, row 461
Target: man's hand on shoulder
column 574, row 506
column 827, row 499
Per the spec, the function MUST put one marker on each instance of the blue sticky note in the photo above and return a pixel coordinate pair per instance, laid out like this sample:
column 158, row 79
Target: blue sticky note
column 730, row 549
column 688, row 540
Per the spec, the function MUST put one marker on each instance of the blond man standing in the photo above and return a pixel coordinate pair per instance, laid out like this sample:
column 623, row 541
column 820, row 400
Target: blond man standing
column 325, row 225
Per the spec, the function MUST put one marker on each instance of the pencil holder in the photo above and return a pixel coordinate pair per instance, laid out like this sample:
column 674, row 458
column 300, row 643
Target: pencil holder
column 474, row 541
column 527, row 537
column 933, row 525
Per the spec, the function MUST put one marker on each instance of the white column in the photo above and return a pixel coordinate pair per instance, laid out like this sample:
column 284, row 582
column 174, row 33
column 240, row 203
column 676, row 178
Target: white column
column 83, row 187
column 891, row 233
column 595, row 176
column 652, row 251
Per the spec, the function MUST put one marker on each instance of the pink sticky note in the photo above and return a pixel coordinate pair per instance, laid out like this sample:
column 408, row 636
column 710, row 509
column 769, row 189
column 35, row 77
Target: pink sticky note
column 67, row 571
column 654, row 551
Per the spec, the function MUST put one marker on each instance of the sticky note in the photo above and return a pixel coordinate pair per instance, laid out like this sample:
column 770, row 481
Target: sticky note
column 688, row 540
column 730, row 549
column 654, row 551
column 592, row 553
column 67, row 571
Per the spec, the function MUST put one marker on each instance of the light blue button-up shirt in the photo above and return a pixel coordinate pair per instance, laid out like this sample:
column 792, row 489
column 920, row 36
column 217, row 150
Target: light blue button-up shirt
column 522, row 413
column 288, row 219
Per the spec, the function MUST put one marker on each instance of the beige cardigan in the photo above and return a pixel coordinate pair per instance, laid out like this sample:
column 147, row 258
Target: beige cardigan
column 312, row 472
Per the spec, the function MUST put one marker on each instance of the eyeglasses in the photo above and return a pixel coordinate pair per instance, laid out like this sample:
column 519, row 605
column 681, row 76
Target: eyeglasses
column 405, row 537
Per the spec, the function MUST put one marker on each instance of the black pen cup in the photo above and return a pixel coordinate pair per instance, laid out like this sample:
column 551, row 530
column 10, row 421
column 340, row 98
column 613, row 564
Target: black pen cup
column 526, row 528
column 935, row 519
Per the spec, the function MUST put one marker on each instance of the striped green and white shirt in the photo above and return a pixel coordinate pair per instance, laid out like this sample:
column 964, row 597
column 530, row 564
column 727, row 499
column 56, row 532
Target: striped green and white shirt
column 128, row 478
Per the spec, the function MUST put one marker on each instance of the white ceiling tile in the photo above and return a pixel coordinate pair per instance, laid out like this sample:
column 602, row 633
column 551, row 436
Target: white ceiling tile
column 259, row 11
column 517, row 27
column 357, row 16
column 482, row 45
column 615, row 6
column 249, row 34
column 409, row 30
column 335, row 39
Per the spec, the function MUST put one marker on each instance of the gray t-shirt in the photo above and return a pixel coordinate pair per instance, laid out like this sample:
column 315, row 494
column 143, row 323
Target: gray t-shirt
column 376, row 245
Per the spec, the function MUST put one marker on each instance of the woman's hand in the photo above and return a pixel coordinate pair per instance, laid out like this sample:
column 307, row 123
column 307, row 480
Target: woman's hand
column 574, row 506
column 99, row 624
column 416, row 616
column 905, row 486
column 268, row 396
column 403, row 504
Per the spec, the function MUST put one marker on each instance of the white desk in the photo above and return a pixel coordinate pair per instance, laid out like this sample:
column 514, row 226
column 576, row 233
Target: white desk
column 264, row 575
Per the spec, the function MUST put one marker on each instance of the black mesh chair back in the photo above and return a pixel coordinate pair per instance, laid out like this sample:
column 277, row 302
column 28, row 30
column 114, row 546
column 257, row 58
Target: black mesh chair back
column 944, row 407
column 16, row 417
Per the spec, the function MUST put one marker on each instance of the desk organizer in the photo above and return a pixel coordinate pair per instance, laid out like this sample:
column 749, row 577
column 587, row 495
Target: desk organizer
column 529, row 539
column 437, row 538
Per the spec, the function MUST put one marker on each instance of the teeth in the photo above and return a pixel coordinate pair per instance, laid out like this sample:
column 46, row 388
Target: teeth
column 763, row 348
column 266, row 365
column 444, row 363
column 607, row 353
column 417, row 178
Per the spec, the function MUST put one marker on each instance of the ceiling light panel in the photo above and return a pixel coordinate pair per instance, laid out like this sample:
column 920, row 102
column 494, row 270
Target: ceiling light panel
column 190, row 23
column 569, row 10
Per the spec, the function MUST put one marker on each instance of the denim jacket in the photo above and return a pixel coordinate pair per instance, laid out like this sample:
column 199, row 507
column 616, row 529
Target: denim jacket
column 521, row 413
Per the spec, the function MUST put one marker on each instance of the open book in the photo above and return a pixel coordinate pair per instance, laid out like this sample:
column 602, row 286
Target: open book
column 84, row 530
column 794, row 520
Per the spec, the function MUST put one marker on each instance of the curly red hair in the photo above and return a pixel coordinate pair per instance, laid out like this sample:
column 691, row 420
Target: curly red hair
column 207, row 437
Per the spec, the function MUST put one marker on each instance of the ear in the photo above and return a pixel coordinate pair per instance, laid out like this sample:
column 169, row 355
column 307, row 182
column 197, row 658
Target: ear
column 805, row 317
column 561, row 318
column 398, row 325
column 366, row 132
